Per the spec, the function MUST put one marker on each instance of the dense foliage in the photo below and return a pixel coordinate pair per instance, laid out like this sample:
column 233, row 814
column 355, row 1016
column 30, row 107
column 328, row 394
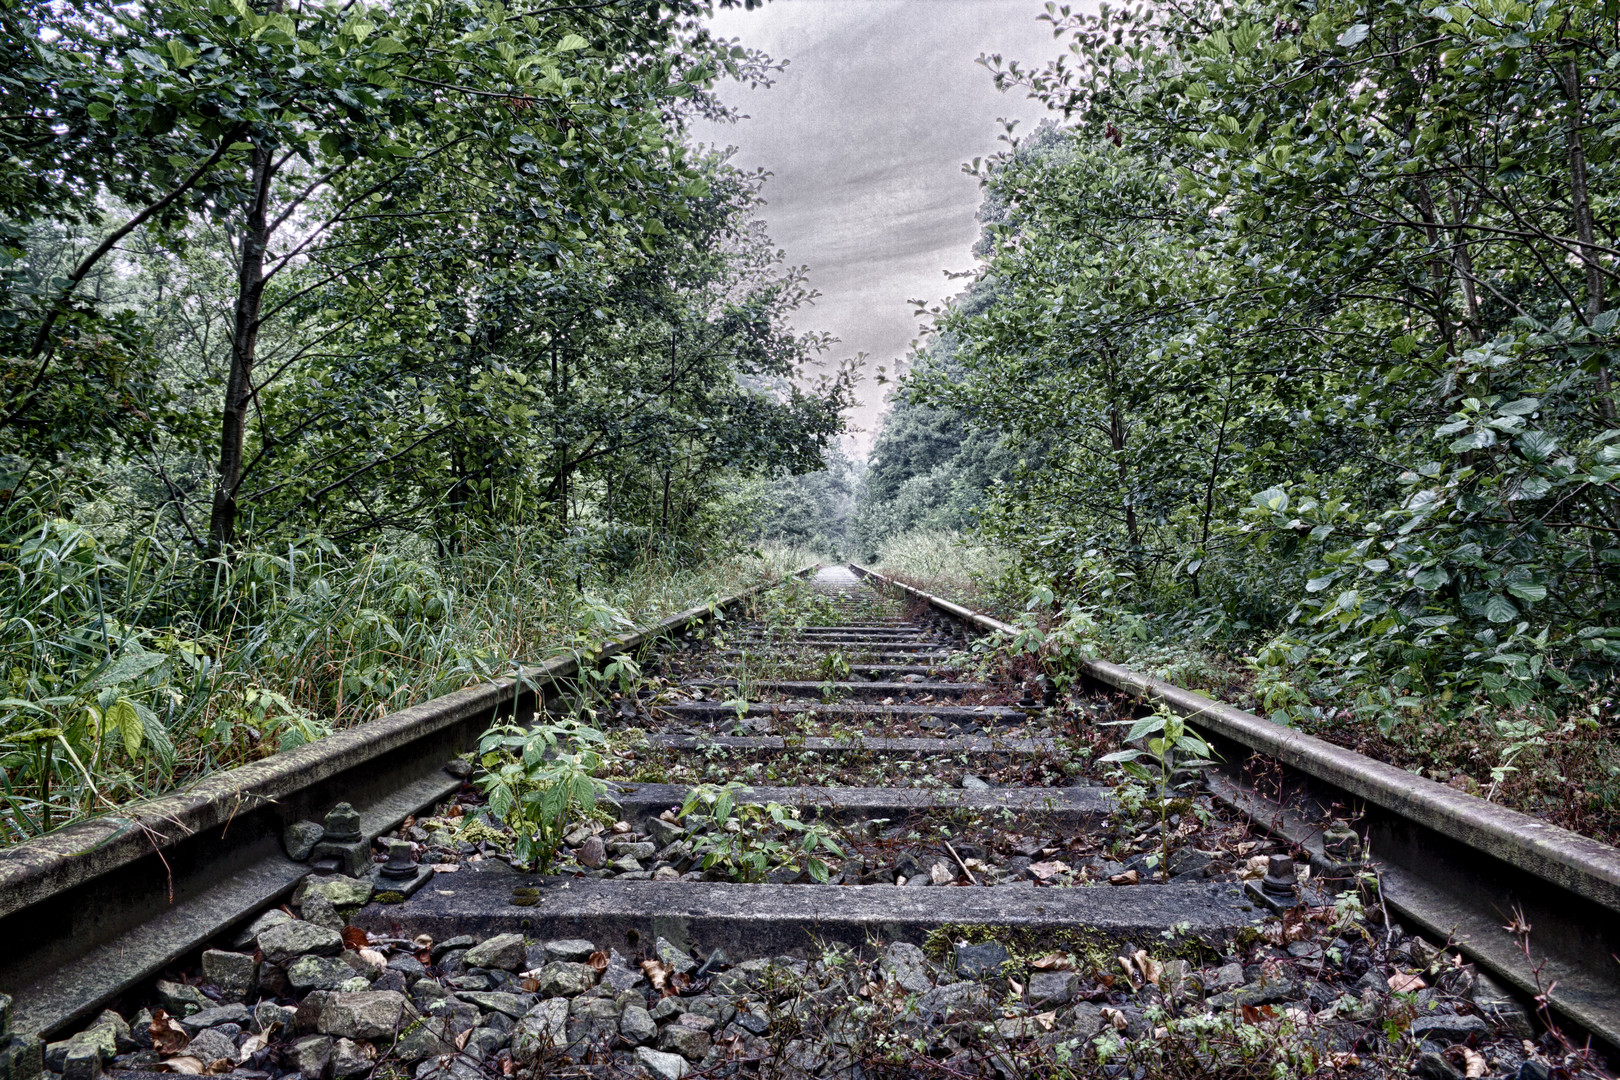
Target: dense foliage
column 1300, row 329
column 323, row 324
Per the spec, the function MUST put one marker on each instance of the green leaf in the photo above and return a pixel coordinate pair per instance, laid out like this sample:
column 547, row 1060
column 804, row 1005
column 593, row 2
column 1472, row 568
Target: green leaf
column 1528, row 592
column 1499, row 609
column 127, row 721
column 131, row 665
column 572, row 42
column 1354, row 36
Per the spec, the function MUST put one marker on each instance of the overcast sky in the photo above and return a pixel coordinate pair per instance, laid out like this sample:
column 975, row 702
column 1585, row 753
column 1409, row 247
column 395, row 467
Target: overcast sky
column 866, row 133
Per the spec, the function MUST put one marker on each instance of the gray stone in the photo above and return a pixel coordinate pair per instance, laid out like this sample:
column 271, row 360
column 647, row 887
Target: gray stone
column 422, row 1038
column 542, row 1030
column 317, row 909
column 592, row 853
column 408, row 966
column 637, row 1026
column 211, row 1046
column 1261, row 992
column 668, row 1008
column 904, row 964
column 222, row 1014
column 343, row 892
column 636, row 849
column 1502, row 1008
column 661, row 1065
column 300, row 839
column 576, row 950
column 482, row 1043
column 504, row 952
column 267, row 1014
column 977, row 961
column 457, row 1067
column 560, row 979
column 625, row 865
column 180, row 1000
column 350, row 1059
column 123, row 1038
column 236, row 974
column 1229, row 977
column 594, row 1008
column 370, row 1014
column 663, row 832
column 672, row 957
column 1086, row 1019
column 1431, row 1066
column 298, row 938
column 953, row 998
column 81, row 1062
column 686, row 1041
column 312, row 1056
column 513, row 1005
column 1049, row 988
column 1445, row 1028
column 973, row 783
column 318, row 973
column 273, row 917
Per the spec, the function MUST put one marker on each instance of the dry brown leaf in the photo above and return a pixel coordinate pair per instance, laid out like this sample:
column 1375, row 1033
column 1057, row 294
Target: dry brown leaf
column 1344, row 1059
column 1474, row 1064
column 679, row 981
column 1053, row 962
column 656, row 973
column 220, row 1067
column 374, row 958
column 355, row 938
column 462, row 1037
column 1129, row 877
column 445, row 867
column 1254, row 868
column 1150, row 968
column 254, row 1043
column 599, row 960
column 1051, row 868
column 530, row 985
column 1047, row 1020
column 621, row 827
column 168, row 1037
column 1404, row 983
column 1016, row 987
column 190, row 1066
column 423, row 941
column 1115, row 1017
column 455, row 811
column 1131, row 974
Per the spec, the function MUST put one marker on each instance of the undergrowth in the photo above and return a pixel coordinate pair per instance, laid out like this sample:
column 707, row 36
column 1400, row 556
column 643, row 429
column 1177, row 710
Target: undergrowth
column 134, row 671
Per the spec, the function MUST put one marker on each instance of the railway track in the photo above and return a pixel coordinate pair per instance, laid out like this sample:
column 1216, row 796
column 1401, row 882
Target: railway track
column 833, row 850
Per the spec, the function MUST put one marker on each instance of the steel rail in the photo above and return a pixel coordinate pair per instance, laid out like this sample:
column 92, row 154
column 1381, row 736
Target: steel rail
column 93, row 909
column 1452, row 864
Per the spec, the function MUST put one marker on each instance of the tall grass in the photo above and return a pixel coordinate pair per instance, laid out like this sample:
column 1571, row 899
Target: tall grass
column 128, row 675
column 958, row 566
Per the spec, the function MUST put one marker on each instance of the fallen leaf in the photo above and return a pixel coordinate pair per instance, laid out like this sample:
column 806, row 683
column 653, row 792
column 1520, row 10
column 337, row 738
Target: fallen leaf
column 1052, row 868
column 254, row 1043
column 190, row 1066
column 1254, row 868
column 455, row 811
column 445, row 867
column 1053, row 962
column 599, row 960
column 1150, row 968
column 168, row 1037
column 680, row 981
column 355, row 938
column 1344, row 1059
column 1115, row 1017
column 374, row 958
column 530, row 985
column 1129, row 877
column 1474, row 1064
column 1016, row 987
column 656, row 973
column 1047, row 1020
column 461, row 1039
column 940, row 874
column 220, row 1067
column 1404, row 983
column 1131, row 973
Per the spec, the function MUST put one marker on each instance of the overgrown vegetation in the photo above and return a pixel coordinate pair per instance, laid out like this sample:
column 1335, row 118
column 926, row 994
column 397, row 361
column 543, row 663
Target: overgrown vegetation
column 1297, row 336
column 350, row 354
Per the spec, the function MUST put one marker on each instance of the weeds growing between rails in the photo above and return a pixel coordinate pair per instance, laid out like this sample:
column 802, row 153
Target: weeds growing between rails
column 129, row 674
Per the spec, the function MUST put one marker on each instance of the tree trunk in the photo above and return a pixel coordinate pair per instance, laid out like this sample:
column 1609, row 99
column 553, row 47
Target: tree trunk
column 244, row 346
column 1583, row 220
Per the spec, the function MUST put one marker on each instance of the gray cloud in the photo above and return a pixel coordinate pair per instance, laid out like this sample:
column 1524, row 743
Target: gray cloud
column 866, row 133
